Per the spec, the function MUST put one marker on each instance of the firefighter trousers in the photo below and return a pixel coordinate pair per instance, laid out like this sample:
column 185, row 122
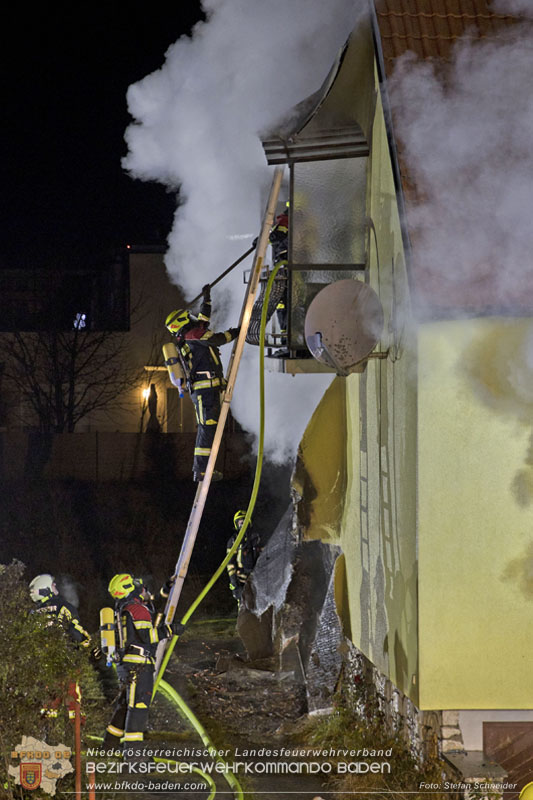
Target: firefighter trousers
column 130, row 713
column 207, row 406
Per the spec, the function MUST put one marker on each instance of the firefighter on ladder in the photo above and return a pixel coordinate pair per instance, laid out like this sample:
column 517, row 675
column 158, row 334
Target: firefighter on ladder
column 199, row 355
column 279, row 241
column 48, row 600
column 138, row 635
column 243, row 560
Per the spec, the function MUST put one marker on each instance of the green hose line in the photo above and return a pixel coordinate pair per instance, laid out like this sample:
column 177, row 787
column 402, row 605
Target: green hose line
column 255, row 488
column 171, row 694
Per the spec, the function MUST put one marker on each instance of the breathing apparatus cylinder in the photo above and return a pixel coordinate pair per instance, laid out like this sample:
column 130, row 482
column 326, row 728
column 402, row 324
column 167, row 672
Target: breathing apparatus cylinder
column 108, row 634
column 172, row 363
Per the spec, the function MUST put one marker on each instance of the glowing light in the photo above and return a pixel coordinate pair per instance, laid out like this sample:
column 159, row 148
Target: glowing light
column 146, row 394
column 80, row 320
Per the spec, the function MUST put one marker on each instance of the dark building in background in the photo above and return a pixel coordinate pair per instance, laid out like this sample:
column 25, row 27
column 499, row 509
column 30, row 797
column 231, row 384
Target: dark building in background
column 33, row 300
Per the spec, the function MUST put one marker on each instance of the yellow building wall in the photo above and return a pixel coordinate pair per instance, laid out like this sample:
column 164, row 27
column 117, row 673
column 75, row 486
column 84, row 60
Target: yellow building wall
column 378, row 533
column 357, row 465
column 475, row 476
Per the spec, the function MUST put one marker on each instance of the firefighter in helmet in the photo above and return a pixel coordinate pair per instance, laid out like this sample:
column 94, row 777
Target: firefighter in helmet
column 200, row 359
column 243, row 560
column 57, row 610
column 279, row 241
column 138, row 636
column 45, row 594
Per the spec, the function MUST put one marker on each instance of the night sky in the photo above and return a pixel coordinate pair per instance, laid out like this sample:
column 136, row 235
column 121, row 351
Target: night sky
column 65, row 199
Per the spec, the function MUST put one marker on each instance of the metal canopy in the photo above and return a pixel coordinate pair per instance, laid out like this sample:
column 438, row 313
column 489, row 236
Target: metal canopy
column 330, row 123
column 339, row 143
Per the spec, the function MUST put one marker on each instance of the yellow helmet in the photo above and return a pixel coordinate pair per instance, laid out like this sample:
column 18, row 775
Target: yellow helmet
column 122, row 585
column 177, row 320
column 239, row 515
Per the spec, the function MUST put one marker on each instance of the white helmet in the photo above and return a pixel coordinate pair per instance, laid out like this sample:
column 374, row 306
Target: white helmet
column 42, row 586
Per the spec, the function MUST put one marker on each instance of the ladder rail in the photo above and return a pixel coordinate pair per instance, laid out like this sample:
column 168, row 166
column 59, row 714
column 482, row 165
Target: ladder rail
column 197, row 510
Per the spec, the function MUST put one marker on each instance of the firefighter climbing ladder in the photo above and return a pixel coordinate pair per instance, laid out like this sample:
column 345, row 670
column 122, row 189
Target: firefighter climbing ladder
column 195, row 517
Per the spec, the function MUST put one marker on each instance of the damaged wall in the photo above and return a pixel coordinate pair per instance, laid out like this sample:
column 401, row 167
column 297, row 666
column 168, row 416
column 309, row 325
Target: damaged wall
column 289, row 613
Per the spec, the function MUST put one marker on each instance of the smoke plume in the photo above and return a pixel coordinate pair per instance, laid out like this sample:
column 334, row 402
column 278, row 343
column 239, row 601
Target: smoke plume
column 68, row 589
column 196, row 127
column 465, row 132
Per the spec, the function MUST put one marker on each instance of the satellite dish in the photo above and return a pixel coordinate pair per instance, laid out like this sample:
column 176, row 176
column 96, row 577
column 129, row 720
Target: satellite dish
column 343, row 324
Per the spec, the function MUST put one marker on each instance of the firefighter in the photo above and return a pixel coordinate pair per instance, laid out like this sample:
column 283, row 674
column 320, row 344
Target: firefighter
column 279, row 242
column 45, row 594
column 200, row 358
column 138, row 636
column 243, row 560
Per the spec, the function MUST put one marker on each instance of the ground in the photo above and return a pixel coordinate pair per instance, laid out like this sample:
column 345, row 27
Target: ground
column 247, row 708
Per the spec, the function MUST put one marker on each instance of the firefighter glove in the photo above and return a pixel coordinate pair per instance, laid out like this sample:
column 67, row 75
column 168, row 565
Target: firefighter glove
column 177, row 628
column 206, row 291
column 167, row 587
column 96, row 654
column 234, row 332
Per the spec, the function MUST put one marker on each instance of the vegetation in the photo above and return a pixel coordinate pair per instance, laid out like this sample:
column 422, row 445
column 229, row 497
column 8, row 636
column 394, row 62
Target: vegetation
column 38, row 662
column 346, row 729
column 60, row 377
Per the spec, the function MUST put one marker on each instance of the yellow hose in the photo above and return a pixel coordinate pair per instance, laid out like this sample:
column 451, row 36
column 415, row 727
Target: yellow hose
column 171, row 694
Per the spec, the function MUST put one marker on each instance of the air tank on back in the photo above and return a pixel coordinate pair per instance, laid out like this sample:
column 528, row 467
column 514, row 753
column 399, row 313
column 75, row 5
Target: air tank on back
column 343, row 324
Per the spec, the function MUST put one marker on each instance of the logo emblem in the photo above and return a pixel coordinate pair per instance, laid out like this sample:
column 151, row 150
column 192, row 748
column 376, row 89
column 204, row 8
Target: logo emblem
column 527, row 792
column 30, row 775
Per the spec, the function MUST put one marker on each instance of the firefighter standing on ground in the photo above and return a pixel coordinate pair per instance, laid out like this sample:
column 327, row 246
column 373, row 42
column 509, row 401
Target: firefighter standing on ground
column 45, row 594
column 243, row 560
column 200, row 358
column 137, row 638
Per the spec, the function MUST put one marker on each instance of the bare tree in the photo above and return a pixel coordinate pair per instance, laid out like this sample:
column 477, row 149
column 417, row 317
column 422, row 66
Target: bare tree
column 63, row 376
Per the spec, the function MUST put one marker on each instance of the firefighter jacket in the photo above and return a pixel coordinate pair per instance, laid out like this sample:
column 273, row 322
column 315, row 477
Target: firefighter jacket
column 65, row 614
column 279, row 238
column 199, row 352
column 138, row 635
column 243, row 561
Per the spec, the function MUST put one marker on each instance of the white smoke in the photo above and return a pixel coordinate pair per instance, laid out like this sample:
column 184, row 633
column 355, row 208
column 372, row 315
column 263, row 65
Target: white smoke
column 465, row 132
column 67, row 587
column 197, row 121
column 519, row 7
column 466, row 136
